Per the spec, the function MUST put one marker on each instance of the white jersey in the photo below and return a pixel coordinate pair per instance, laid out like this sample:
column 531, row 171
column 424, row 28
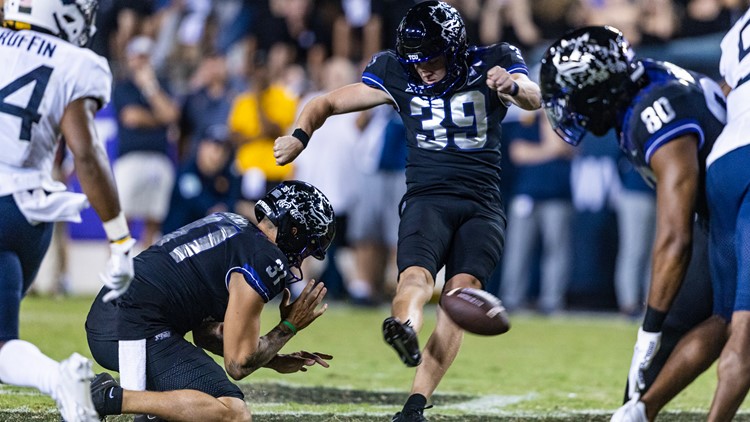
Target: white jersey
column 735, row 69
column 39, row 76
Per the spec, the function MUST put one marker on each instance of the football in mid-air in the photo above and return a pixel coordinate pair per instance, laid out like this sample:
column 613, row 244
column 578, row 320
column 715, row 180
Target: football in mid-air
column 476, row 311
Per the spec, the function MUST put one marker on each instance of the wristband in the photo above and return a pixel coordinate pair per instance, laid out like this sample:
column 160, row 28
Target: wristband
column 117, row 228
column 653, row 320
column 514, row 90
column 291, row 326
column 302, row 136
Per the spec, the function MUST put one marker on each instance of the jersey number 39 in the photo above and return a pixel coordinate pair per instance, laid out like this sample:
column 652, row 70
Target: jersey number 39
column 466, row 111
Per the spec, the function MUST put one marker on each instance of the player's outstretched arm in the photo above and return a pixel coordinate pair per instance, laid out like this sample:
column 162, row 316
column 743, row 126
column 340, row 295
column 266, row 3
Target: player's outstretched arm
column 516, row 88
column 245, row 351
column 92, row 168
column 349, row 98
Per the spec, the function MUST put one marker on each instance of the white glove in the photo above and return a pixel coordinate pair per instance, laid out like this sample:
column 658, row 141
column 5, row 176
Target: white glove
column 119, row 272
column 644, row 351
column 632, row 411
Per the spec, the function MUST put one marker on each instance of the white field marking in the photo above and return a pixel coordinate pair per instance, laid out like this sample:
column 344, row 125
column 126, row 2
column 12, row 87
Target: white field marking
column 26, row 409
column 488, row 404
column 19, row 391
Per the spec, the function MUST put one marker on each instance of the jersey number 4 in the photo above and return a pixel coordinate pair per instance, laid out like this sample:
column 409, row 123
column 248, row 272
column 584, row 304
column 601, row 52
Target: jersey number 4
column 29, row 114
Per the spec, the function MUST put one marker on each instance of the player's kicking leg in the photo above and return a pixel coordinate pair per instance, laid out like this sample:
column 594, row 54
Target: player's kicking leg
column 439, row 353
column 400, row 330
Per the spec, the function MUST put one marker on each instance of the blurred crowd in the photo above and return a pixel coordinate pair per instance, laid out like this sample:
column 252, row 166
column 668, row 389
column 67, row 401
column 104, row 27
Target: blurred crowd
column 204, row 87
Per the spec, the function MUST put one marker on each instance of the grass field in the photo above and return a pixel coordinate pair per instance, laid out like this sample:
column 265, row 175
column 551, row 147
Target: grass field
column 567, row 368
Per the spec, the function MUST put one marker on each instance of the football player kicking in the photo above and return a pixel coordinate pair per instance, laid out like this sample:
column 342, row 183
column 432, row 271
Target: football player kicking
column 451, row 99
column 211, row 277
column 50, row 86
column 667, row 119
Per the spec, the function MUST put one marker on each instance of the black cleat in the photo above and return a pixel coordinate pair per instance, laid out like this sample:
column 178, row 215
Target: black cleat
column 403, row 339
column 100, row 385
column 411, row 414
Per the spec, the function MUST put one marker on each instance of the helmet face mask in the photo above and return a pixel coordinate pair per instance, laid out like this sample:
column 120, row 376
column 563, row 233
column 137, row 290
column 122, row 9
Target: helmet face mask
column 586, row 77
column 304, row 219
column 432, row 29
column 71, row 20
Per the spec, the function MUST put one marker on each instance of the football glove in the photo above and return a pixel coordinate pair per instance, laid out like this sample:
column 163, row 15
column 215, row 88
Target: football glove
column 119, row 272
column 632, row 411
column 646, row 346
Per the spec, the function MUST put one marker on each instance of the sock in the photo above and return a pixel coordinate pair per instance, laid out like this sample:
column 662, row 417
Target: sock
column 416, row 400
column 23, row 364
column 113, row 401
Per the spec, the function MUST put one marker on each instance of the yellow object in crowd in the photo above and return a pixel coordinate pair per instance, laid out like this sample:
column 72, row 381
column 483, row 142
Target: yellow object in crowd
column 280, row 107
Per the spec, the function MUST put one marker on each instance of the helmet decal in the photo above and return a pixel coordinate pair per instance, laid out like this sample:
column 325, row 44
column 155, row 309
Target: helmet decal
column 449, row 20
column 586, row 77
column 587, row 63
column 304, row 218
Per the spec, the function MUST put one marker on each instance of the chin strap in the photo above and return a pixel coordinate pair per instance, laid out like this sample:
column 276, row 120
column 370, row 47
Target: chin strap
column 296, row 278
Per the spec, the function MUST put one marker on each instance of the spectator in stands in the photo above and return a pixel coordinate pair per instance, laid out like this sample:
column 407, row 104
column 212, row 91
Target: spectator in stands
column 143, row 169
column 206, row 183
column 540, row 209
column 391, row 14
column 207, row 105
column 658, row 21
column 299, row 25
column 703, row 17
column 117, row 22
column 373, row 222
column 636, row 223
column 357, row 31
column 328, row 165
column 529, row 25
column 257, row 117
column 621, row 14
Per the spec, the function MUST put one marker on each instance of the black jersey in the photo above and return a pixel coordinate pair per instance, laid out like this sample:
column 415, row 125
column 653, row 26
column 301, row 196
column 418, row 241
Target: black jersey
column 453, row 140
column 183, row 279
column 674, row 103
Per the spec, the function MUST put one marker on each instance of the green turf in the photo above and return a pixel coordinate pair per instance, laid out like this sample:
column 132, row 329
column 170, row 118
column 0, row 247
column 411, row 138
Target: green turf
column 569, row 367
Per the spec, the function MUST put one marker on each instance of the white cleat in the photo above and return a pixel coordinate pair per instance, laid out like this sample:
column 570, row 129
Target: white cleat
column 632, row 411
column 73, row 390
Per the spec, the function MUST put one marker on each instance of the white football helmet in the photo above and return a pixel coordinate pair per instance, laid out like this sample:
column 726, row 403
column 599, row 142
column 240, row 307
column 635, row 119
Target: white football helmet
column 71, row 20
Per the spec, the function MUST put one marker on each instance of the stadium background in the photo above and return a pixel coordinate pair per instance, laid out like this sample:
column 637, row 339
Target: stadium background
column 667, row 30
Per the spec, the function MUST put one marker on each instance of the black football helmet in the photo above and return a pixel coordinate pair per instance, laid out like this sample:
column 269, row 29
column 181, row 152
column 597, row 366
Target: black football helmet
column 431, row 29
column 587, row 77
column 299, row 205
